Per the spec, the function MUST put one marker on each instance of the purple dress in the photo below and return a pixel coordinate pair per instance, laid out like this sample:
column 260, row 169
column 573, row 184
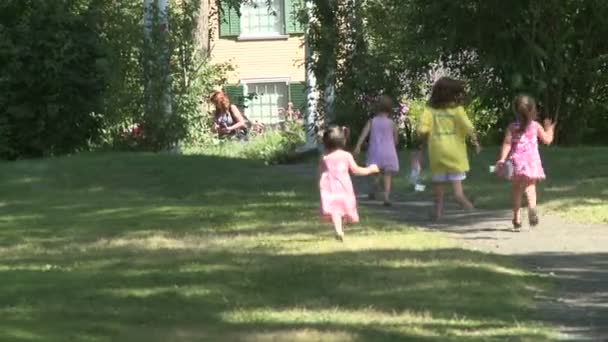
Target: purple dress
column 524, row 152
column 382, row 145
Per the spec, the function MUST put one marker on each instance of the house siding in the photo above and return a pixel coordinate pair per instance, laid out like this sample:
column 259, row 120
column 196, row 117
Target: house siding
column 260, row 58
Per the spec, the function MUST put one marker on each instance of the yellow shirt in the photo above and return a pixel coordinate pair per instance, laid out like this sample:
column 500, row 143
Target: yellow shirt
column 447, row 129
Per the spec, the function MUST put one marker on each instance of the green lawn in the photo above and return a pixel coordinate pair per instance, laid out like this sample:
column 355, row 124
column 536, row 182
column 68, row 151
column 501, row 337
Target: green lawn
column 125, row 247
column 576, row 186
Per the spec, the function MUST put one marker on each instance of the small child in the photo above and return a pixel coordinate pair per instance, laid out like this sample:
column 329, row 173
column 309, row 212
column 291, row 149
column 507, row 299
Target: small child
column 521, row 147
column 416, row 165
column 338, row 201
column 383, row 140
column 445, row 125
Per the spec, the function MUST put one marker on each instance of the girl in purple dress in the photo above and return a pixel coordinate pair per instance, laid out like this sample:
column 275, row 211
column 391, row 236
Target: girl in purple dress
column 521, row 148
column 383, row 139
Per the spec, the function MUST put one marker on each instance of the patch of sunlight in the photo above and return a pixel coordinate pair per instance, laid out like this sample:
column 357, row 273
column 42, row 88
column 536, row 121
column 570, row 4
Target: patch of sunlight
column 153, row 242
column 422, row 324
column 591, row 210
column 173, row 210
column 33, row 267
column 15, row 249
column 326, row 244
column 184, row 291
column 416, row 263
column 112, row 211
column 336, row 315
column 27, row 180
column 20, row 334
column 559, row 189
column 17, row 218
column 281, row 194
column 206, row 268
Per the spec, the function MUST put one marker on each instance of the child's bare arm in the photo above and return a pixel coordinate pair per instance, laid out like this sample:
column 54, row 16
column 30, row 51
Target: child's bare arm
column 474, row 141
column 506, row 146
column 545, row 134
column 320, row 168
column 361, row 171
column 362, row 137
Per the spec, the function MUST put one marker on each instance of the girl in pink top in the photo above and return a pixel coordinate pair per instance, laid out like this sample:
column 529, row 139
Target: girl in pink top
column 521, row 147
column 338, row 201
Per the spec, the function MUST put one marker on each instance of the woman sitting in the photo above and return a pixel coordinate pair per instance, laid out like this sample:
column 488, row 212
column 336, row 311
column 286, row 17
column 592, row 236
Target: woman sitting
column 228, row 122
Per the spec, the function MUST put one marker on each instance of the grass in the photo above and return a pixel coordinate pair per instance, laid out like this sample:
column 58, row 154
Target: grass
column 126, row 247
column 576, row 187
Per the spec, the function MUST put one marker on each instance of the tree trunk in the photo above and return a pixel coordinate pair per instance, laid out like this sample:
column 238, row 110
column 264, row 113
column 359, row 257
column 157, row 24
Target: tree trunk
column 201, row 34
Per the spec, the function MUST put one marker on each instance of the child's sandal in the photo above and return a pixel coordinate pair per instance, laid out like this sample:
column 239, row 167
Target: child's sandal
column 340, row 237
column 533, row 217
column 516, row 226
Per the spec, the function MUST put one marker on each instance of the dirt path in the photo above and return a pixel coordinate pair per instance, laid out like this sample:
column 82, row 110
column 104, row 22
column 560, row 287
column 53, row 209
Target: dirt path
column 575, row 254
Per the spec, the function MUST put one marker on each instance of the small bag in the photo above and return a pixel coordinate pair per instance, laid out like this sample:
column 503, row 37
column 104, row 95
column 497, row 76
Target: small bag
column 505, row 170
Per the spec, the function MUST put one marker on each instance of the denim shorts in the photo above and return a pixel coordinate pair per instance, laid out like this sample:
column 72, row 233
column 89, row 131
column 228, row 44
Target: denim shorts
column 449, row 177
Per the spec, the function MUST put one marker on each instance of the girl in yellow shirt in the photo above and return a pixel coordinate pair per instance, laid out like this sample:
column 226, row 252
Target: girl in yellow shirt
column 445, row 125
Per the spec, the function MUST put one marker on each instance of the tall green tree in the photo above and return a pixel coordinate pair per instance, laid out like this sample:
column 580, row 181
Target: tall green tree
column 554, row 49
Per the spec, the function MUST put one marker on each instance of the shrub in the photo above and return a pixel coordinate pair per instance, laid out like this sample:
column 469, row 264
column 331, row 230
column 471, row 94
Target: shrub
column 51, row 81
column 272, row 144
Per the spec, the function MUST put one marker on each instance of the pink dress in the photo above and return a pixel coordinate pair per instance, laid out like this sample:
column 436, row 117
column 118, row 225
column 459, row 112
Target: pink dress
column 524, row 152
column 337, row 194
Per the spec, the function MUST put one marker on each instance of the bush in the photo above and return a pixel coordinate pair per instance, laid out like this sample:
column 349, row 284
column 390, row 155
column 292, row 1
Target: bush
column 51, row 80
column 275, row 144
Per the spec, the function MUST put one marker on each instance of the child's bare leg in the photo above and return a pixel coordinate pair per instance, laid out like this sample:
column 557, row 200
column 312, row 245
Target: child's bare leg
column 530, row 188
column 387, row 177
column 531, row 193
column 337, row 221
column 374, row 182
column 460, row 197
column 516, row 188
column 438, row 193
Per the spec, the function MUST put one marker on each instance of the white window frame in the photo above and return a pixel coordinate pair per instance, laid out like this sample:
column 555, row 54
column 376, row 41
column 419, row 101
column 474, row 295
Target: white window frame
column 282, row 35
column 247, row 81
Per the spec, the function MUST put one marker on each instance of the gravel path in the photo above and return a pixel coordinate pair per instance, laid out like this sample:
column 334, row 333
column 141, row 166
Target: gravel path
column 575, row 254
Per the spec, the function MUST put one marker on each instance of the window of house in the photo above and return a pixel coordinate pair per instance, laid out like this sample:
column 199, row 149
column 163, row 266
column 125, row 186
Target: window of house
column 259, row 19
column 269, row 98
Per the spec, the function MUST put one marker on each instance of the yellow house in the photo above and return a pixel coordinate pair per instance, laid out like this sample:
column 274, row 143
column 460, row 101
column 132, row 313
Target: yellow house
column 265, row 45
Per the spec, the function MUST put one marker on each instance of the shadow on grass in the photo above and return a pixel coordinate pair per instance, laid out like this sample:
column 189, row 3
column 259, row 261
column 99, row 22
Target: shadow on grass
column 125, row 247
column 373, row 295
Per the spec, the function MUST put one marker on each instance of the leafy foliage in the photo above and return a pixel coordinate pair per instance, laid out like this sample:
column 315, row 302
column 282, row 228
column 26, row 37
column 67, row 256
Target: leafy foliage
column 272, row 144
column 551, row 49
column 76, row 74
column 51, row 82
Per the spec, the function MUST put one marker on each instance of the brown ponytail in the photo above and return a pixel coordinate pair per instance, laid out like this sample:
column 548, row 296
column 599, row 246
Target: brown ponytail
column 525, row 110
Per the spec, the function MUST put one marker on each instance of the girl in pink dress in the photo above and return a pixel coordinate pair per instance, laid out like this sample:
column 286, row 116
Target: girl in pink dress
column 521, row 147
column 338, row 201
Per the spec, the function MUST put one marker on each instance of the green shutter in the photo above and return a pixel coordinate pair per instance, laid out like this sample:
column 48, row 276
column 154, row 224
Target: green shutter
column 292, row 22
column 297, row 96
column 230, row 22
column 236, row 94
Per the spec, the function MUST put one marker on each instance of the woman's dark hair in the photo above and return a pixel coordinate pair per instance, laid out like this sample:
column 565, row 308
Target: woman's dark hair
column 525, row 110
column 384, row 104
column 334, row 138
column 447, row 92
